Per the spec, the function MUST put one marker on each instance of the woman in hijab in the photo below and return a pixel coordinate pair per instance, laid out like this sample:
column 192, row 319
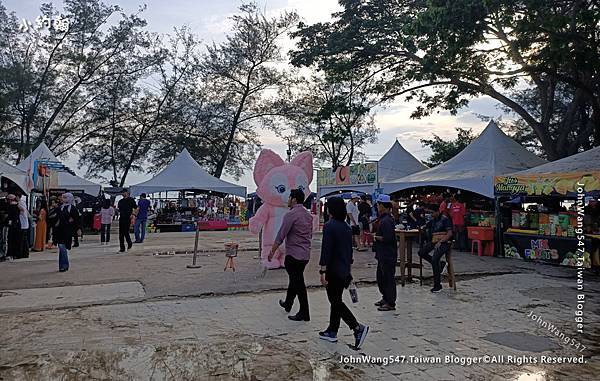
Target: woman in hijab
column 15, row 234
column 68, row 220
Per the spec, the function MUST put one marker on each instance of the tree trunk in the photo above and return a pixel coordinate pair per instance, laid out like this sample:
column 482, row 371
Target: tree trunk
column 221, row 163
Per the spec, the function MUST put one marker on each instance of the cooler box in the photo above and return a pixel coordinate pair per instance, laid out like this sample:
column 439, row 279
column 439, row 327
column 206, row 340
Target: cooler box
column 188, row 227
column 97, row 222
column 480, row 233
column 212, row 225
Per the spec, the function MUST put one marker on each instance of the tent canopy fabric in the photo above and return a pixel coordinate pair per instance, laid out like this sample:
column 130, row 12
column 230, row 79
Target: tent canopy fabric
column 14, row 174
column 184, row 173
column 397, row 162
column 473, row 169
column 588, row 161
column 66, row 180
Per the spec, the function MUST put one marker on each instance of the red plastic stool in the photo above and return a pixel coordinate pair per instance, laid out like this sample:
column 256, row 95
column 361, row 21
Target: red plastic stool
column 479, row 247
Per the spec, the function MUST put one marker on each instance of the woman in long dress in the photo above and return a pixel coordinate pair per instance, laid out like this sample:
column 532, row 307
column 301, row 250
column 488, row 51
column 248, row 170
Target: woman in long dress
column 15, row 233
column 68, row 220
column 41, row 227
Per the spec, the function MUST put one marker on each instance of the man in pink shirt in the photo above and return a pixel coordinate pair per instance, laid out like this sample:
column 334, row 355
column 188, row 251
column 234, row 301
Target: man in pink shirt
column 457, row 214
column 296, row 230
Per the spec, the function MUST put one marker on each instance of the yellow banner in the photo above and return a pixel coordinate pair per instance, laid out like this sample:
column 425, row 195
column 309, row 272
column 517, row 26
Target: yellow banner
column 546, row 184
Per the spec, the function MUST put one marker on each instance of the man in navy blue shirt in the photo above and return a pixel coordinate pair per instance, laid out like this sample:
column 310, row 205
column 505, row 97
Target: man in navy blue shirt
column 440, row 223
column 336, row 273
column 139, row 229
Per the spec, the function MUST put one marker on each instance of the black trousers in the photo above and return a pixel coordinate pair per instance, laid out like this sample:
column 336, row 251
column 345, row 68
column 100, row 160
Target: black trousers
column 460, row 232
column 386, row 279
column 339, row 311
column 296, row 287
column 105, row 233
column 124, row 225
column 25, row 245
column 435, row 259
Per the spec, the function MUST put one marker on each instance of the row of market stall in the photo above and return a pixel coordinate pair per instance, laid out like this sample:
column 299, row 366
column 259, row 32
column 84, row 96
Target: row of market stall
column 528, row 208
column 182, row 194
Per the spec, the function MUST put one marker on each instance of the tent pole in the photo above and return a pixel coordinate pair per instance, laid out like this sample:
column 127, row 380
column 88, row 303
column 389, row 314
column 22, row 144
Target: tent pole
column 194, row 265
column 499, row 248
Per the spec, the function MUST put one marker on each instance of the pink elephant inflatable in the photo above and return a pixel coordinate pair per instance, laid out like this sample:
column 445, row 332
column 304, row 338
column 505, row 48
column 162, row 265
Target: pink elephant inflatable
column 275, row 179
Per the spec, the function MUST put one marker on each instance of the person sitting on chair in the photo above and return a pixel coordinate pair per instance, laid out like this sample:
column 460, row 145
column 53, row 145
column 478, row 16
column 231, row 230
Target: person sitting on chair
column 441, row 226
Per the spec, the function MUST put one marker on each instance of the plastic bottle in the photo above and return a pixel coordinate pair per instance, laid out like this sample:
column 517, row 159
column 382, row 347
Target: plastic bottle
column 353, row 292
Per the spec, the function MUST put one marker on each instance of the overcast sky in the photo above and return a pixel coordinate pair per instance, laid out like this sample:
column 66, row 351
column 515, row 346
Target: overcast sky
column 209, row 19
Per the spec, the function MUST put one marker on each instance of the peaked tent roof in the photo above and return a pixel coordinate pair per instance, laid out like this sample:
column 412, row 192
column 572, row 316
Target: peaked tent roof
column 184, row 173
column 14, row 174
column 473, row 169
column 65, row 179
column 397, row 163
column 587, row 161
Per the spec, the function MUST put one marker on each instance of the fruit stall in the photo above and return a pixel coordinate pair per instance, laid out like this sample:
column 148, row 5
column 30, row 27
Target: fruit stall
column 548, row 217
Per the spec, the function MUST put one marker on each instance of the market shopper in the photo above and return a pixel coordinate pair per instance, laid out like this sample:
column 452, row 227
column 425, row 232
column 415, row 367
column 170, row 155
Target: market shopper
column 352, row 211
column 24, row 221
column 78, row 231
column 52, row 219
column 107, row 213
column 336, row 264
column 364, row 216
column 67, row 224
column 41, row 227
column 386, row 253
column 126, row 208
column 139, row 229
column 15, row 233
column 296, row 230
column 441, row 226
column 457, row 215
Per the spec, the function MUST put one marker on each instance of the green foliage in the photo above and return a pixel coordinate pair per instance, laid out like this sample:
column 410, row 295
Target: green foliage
column 444, row 53
column 52, row 78
column 333, row 119
column 444, row 150
column 128, row 100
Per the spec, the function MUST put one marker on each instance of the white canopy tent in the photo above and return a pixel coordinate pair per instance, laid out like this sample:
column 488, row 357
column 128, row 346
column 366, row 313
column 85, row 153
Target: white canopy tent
column 397, row 162
column 14, row 174
column 184, row 173
column 491, row 154
column 588, row 161
column 66, row 180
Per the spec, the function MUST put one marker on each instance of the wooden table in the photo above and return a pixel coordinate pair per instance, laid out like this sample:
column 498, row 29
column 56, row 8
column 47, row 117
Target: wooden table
column 405, row 239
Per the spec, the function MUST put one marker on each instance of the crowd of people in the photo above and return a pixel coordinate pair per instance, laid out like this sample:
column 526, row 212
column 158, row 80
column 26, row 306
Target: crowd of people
column 354, row 226
column 58, row 224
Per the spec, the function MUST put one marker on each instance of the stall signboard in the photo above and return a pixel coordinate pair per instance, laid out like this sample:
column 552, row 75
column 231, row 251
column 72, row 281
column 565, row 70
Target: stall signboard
column 547, row 184
column 557, row 250
column 365, row 173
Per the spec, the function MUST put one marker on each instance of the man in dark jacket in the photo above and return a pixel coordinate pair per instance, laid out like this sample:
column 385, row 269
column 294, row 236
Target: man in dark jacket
column 386, row 253
column 126, row 208
column 336, row 266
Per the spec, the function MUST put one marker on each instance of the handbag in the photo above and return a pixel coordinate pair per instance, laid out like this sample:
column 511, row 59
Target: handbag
column 437, row 237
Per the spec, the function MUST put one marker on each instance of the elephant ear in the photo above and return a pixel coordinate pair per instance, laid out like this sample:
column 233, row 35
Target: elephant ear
column 304, row 160
column 266, row 161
